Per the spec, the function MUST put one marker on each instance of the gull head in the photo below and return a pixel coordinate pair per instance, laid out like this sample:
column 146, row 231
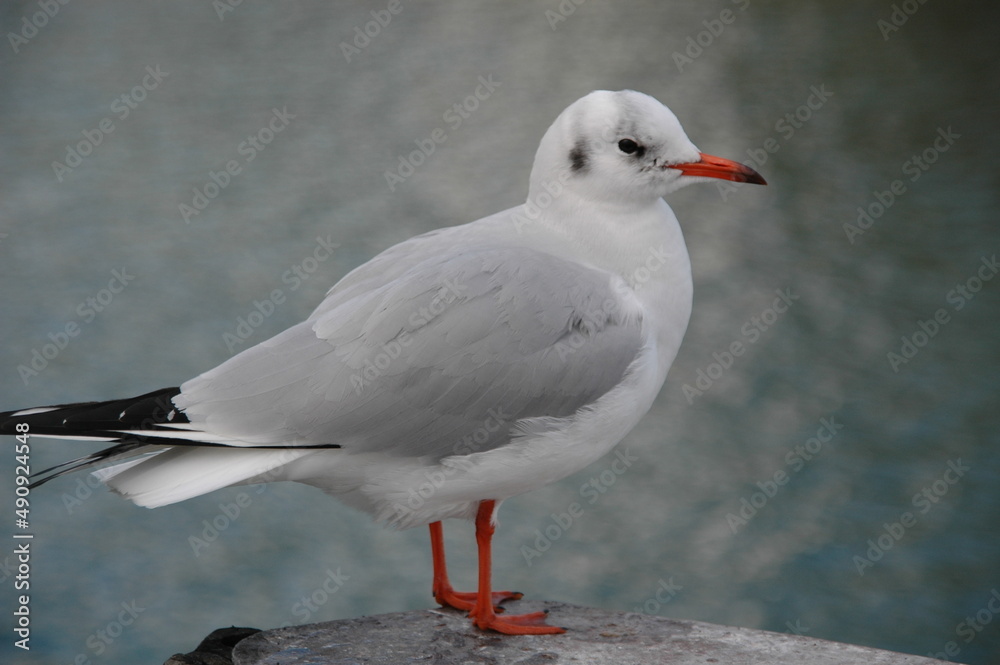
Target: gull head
column 625, row 147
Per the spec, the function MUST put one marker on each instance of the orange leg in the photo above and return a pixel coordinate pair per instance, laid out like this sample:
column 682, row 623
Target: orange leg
column 444, row 593
column 483, row 614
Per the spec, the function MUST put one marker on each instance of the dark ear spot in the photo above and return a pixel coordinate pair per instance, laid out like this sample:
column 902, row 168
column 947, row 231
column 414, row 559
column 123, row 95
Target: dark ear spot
column 578, row 157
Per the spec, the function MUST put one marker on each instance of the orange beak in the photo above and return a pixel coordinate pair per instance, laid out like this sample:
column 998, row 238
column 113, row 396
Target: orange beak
column 724, row 169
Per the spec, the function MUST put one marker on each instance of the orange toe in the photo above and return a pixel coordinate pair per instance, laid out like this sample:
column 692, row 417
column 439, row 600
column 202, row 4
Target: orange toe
column 465, row 600
column 516, row 624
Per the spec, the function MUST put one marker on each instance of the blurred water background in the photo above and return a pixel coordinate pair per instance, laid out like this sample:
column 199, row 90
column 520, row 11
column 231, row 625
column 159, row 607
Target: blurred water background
column 729, row 514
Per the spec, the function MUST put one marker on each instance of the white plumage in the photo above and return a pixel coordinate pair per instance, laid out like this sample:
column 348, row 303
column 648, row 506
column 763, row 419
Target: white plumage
column 458, row 368
column 542, row 320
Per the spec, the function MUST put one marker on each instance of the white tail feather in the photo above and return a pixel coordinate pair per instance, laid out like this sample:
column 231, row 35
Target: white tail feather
column 180, row 473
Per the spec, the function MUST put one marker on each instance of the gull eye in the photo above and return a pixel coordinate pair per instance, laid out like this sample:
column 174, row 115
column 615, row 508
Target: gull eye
column 628, row 146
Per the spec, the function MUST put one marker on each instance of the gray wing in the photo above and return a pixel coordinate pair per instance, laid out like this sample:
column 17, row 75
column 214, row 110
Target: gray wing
column 442, row 358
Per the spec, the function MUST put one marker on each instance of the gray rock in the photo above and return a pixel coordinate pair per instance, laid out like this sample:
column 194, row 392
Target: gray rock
column 595, row 637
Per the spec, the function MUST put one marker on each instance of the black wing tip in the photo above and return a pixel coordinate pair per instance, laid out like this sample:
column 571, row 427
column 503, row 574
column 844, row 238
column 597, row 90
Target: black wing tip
column 148, row 416
column 88, row 418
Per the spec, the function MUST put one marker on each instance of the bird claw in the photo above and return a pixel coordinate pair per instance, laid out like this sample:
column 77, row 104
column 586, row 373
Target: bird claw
column 466, row 600
column 532, row 623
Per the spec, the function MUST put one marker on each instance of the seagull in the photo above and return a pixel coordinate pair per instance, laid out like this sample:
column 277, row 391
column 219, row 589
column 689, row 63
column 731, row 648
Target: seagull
column 454, row 370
